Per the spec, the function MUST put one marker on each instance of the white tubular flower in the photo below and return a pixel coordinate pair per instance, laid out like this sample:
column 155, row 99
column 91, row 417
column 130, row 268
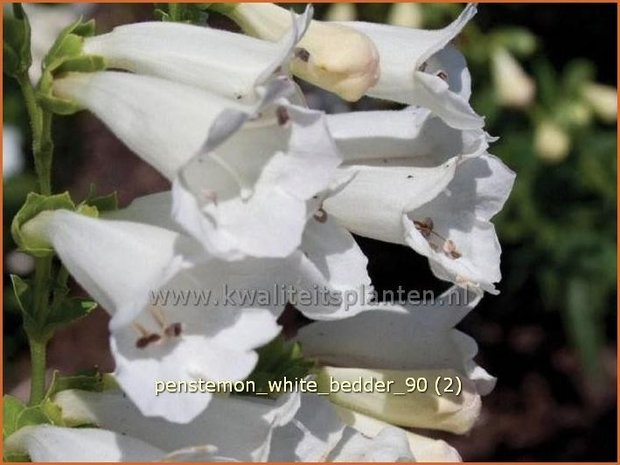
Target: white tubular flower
column 513, row 87
column 245, row 191
column 400, row 344
column 231, row 428
column 230, row 64
column 418, row 67
column 128, row 268
column 332, row 56
column 163, row 122
column 419, row 182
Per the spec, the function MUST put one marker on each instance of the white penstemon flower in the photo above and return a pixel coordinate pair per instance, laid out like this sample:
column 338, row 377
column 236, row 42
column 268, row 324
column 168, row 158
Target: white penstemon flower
column 232, row 65
column 122, row 264
column 419, row 182
column 246, row 191
column 419, row 67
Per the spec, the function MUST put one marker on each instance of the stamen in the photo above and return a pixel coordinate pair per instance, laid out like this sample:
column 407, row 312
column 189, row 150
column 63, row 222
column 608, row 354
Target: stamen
column 449, row 247
column 140, row 329
column 443, row 75
column 423, row 66
column 425, row 227
column 159, row 316
column 146, row 340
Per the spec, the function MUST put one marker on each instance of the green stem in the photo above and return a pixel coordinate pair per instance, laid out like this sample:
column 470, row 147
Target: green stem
column 37, row 358
column 42, row 149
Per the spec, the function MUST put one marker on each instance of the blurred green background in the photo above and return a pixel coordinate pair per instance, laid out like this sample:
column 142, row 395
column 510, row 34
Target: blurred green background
column 544, row 76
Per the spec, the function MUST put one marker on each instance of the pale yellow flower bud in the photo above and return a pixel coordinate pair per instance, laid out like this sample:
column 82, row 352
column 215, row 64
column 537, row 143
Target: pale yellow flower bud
column 334, row 57
column 513, row 87
column 551, row 142
column 406, row 15
column 437, row 399
column 341, row 12
column 603, row 100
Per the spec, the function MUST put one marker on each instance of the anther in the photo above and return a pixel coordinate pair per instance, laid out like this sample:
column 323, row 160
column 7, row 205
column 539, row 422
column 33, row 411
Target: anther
column 173, row 330
column 282, row 115
column 320, row 215
column 302, row 54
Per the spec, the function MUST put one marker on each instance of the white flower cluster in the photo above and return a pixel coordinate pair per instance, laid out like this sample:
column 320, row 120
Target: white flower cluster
column 266, row 190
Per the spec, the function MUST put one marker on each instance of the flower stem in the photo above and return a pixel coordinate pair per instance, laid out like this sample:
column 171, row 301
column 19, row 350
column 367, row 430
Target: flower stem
column 42, row 149
column 37, row 359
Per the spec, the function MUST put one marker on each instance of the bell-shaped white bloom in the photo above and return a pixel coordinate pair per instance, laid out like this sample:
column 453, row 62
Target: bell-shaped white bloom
column 400, row 344
column 199, row 332
column 332, row 56
column 231, row 428
column 513, row 87
column 419, row 182
column 230, row 64
column 243, row 192
column 419, row 67
column 164, row 122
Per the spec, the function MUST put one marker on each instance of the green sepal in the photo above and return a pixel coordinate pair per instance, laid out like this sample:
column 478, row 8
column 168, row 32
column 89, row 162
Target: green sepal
column 66, row 56
column 103, row 203
column 16, row 54
column 35, row 204
column 92, row 382
column 12, row 408
column 277, row 360
column 24, row 297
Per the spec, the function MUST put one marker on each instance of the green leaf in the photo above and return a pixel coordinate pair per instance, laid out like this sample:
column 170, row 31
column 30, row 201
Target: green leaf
column 66, row 55
column 31, row 416
column 67, row 310
column 277, row 360
column 27, row 237
column 102, row 203
column 16, row 55
column 12, row 409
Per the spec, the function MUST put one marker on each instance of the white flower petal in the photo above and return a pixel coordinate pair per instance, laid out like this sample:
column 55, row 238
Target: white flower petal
column 311, row 435
column 238, row 427
column 462, row 214
column 215, row 345
column 403, row 53
column 227, row 63
column 117, row 262
column 248, row 197
column 333, row 281
column 401, row 338
column 46, row 443
column 424, row 449
column 390, row 445
column 163, row 122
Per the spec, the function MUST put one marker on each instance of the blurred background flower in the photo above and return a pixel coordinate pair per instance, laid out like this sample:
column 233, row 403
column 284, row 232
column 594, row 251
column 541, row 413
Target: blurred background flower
column 550, row 336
